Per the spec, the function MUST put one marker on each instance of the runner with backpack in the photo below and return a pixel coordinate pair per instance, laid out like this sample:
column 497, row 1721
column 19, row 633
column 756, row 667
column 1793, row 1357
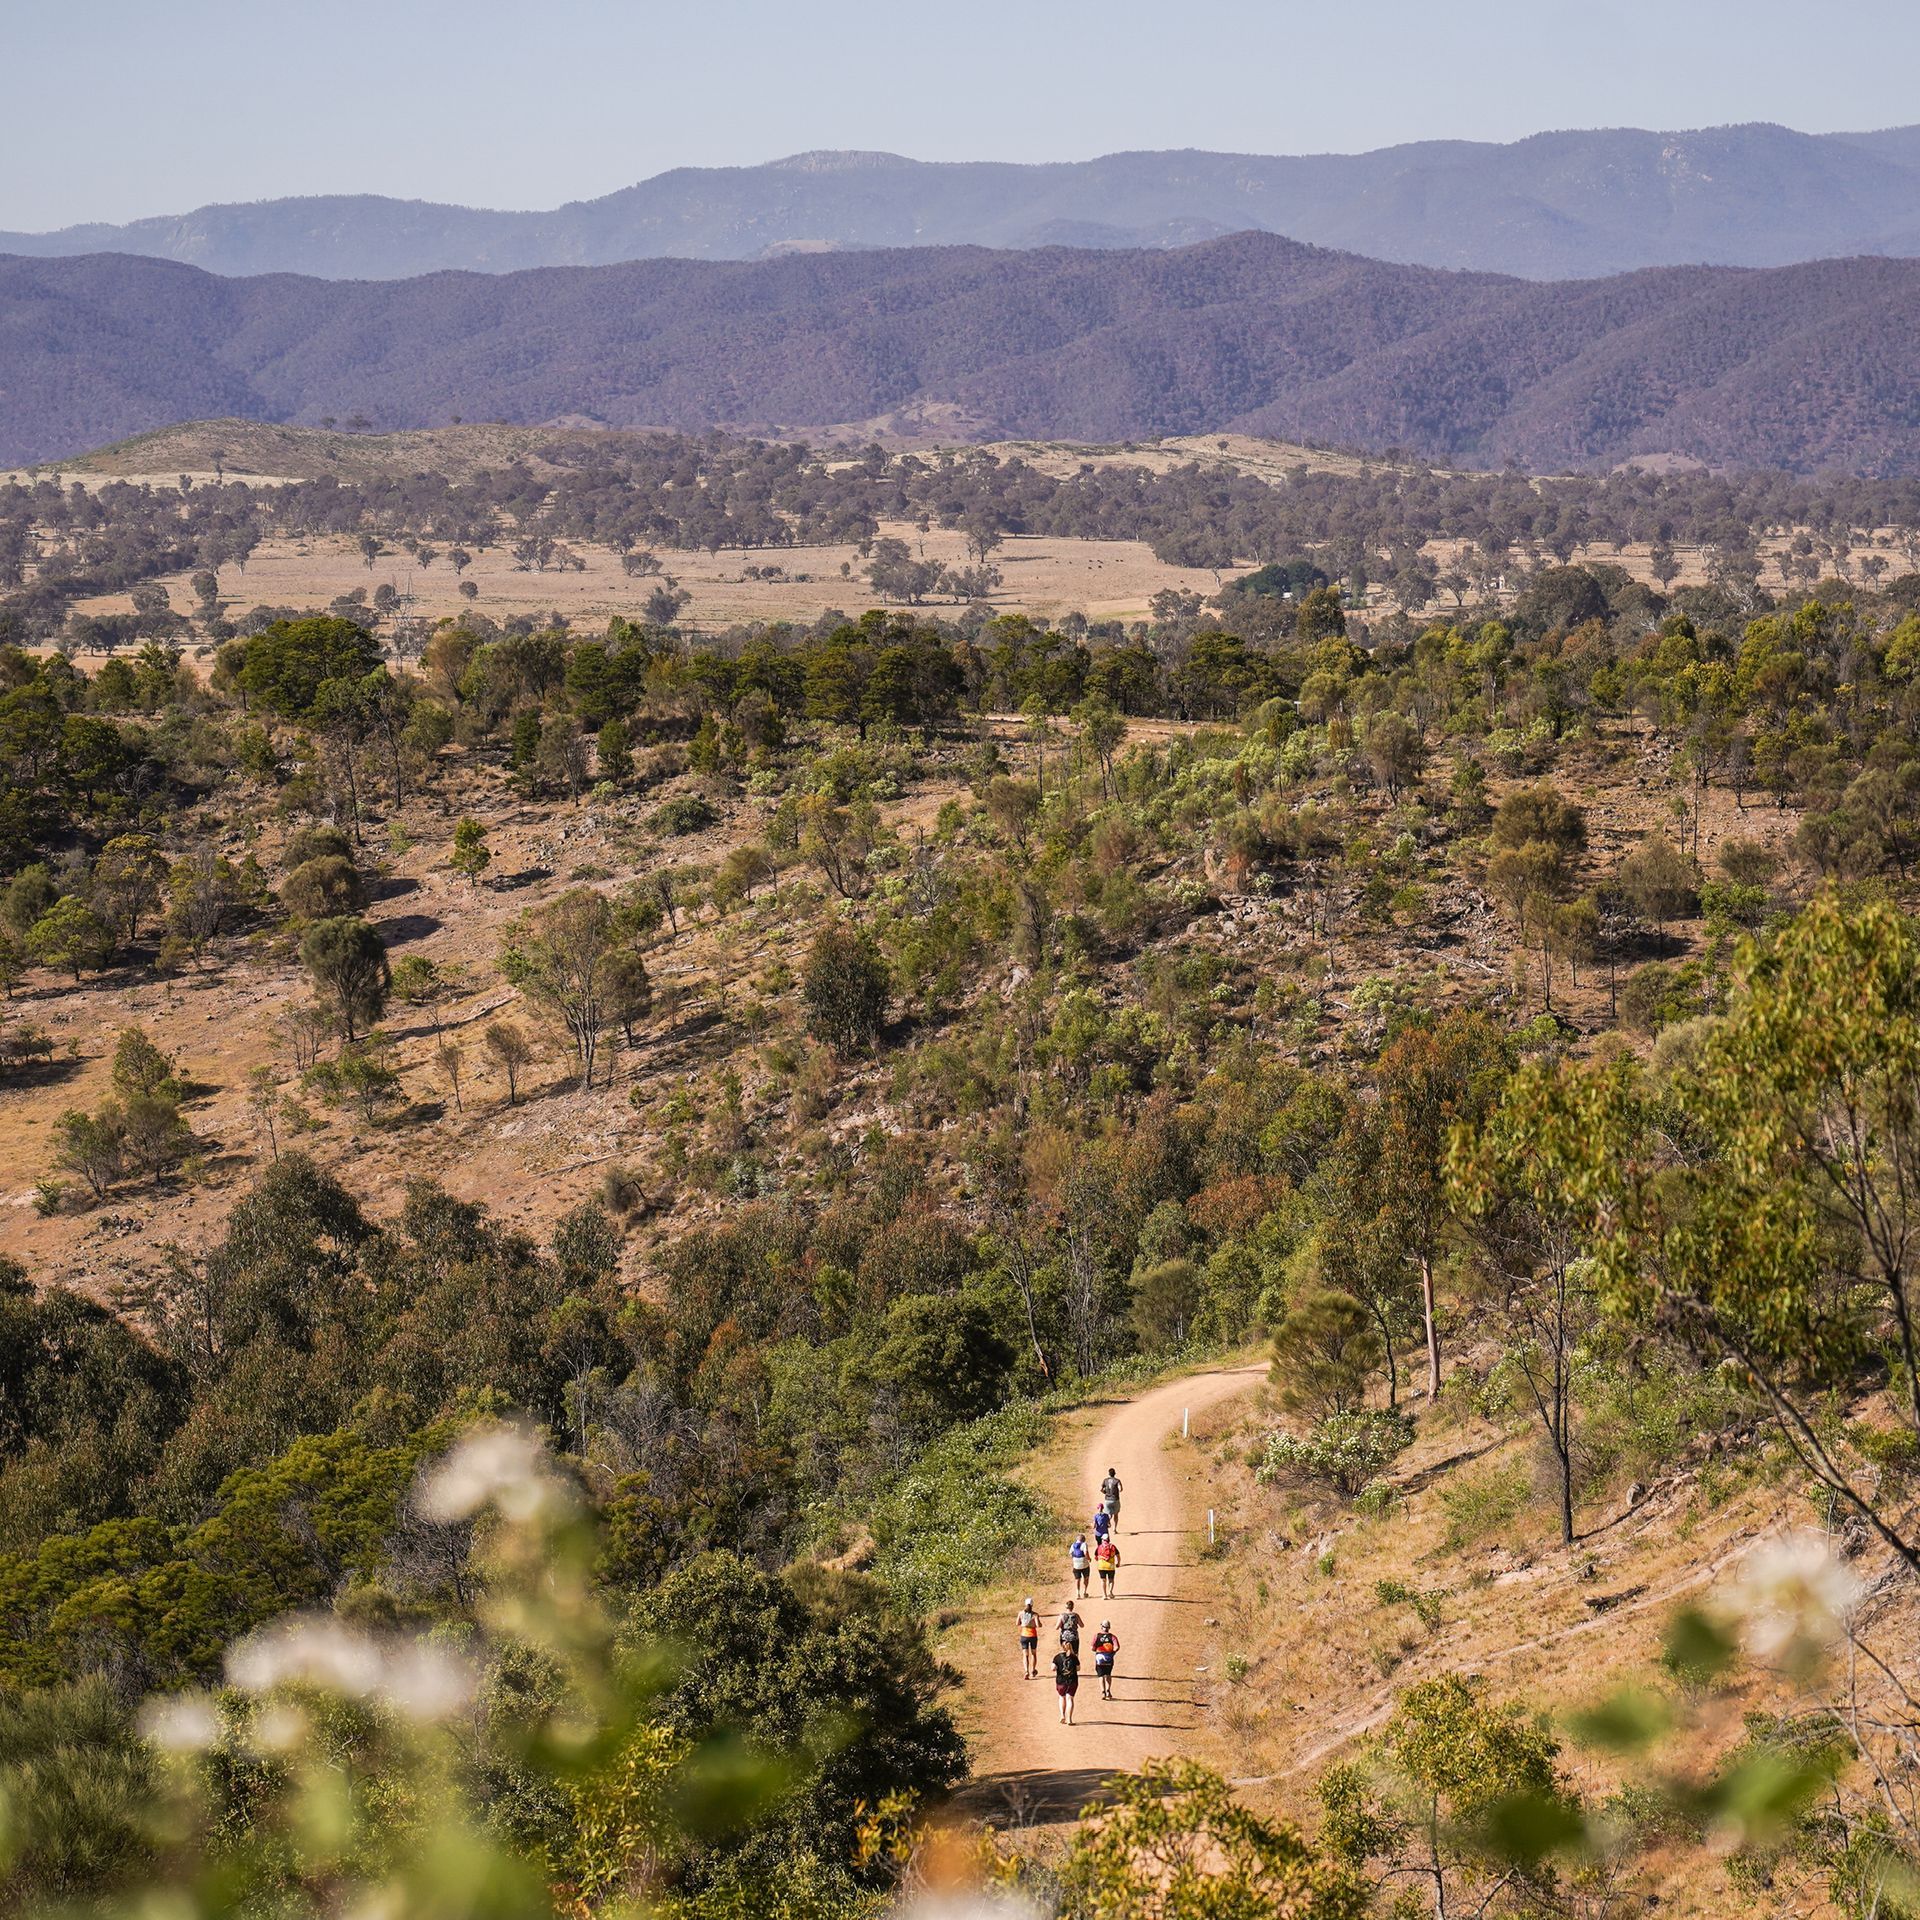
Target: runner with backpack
column 1106, row 1561
column 1070, row 1625
column 1106, row 1649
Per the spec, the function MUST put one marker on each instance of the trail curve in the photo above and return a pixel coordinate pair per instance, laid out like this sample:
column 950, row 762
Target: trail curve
column 1029, row 1767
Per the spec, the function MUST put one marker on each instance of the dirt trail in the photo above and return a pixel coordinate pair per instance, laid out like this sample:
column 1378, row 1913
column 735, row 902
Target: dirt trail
column 1027, row 1764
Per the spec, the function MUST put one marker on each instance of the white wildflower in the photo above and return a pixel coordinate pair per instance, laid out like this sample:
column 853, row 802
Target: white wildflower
column 313, row 1650
column 1793, row 1593
column 278, row 1728
column 181, row 1723
column 414, row 1677
column 503, row 1467
column 426, row 1682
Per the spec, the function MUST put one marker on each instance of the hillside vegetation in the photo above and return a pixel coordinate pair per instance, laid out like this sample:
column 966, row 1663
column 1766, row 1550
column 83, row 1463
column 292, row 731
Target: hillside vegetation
column 575, row 1164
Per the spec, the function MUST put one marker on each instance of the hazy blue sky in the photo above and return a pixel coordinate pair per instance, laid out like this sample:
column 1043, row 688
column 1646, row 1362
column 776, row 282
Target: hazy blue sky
column 110, row 110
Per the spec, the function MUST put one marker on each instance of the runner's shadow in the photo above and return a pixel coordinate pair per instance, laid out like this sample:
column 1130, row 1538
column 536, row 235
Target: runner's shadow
column 1035, row 1796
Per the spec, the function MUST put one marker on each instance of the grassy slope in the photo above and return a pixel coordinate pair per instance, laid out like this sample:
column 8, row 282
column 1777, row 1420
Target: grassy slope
column 1317, row 1656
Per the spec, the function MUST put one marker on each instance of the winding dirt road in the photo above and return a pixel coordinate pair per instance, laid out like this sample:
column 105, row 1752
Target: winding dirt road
column 1025, row 1762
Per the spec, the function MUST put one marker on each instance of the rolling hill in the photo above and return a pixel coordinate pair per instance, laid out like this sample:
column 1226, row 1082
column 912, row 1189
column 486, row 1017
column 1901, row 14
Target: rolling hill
column 1554, row 206
column 1799, row 367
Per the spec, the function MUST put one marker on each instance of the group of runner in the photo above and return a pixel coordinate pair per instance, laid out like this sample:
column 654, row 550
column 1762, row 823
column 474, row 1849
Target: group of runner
column 1102, row 1557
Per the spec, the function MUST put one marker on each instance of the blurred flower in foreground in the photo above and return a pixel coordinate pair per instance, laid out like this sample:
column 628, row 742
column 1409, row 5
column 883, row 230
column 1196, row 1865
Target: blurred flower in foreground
column 311, row 1650
column 1794, row 1597
column 182, row 1723
column 500, row 1466
column 415, row 1677
column 279, row 1728
column 426, row 1682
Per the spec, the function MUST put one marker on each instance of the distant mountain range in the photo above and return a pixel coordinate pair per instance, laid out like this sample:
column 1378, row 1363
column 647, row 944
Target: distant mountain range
column 1556, row 206
column 1798, row 367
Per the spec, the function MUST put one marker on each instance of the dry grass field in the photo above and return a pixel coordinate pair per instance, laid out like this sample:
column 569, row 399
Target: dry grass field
column 1105, row 579
column 1045, row 577
column 1042, row 576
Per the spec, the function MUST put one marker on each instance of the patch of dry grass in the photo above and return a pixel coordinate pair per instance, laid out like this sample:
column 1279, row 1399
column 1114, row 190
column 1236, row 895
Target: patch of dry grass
column 1318, row 1648
column 1105, row 579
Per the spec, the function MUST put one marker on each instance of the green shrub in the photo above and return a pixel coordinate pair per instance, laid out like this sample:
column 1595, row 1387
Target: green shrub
column 846, row 989
column 1325, row 1351
column 953, row 1519
column 1376, row 1500
column 1650, row 1816
column 1638, row 1424
column 1727, row 902
column 1344, row 1451
column 1659, row 995
column 690, row 813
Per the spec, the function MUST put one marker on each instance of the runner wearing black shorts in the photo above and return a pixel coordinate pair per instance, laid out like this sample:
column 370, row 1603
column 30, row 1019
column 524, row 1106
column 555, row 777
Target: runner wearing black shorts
column 1066, row 1681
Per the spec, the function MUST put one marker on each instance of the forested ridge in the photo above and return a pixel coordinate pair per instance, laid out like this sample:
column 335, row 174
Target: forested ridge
column 570, row 1168
column 1803, row 367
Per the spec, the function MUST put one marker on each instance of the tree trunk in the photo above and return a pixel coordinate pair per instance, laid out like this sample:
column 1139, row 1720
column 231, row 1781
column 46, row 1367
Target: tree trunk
column 1439, row 1872
column 1432, row 1326
column 1033, row 1331
column 1561, row 1433
column 1377, row 1306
